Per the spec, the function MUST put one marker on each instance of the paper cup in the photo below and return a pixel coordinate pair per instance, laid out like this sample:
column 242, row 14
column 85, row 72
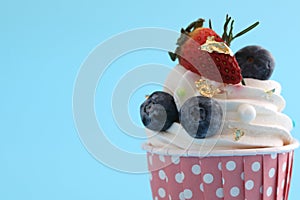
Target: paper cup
column 241, row 174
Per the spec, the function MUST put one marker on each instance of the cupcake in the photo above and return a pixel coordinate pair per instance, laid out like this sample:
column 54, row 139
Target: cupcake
column 217, row 130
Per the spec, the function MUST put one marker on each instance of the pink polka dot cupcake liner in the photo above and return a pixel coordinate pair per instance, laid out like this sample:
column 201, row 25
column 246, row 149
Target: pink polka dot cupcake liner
column 241, row 174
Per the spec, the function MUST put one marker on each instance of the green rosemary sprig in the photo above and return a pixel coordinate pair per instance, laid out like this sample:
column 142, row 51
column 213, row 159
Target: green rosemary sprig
column 228, row 37
column 246, row 30
column 210, row 24
column 224, row 35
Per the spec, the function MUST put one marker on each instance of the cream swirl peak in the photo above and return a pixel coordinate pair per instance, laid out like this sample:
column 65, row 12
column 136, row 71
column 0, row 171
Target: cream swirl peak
column 252, row 115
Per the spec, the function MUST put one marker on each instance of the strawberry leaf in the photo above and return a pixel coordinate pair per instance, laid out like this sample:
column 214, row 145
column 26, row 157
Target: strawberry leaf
column 172, row 55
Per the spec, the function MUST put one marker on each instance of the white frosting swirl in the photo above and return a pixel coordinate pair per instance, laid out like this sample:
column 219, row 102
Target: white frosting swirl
column 252, row 115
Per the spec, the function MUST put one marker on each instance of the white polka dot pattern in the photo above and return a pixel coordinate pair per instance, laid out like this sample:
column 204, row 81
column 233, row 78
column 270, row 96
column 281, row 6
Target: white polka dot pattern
column 220, row 193
column 231, row 177
column 284, row 167
column 220, row 166
column 234, row 191
column 161, row 192
column 261, row 189
column 179, row 177
column 232, row 170
column 270, row 176
column 249, row 185
column 150, row 160
column 175, row 159
column 269, row 191
column 271, row 172
column 208, row 178
column 162, row 174
column 273, row 155
column 186, row 194
column 230, row 165
column 201, row 187
column 243, row 175
column 196, row 169
column 256, row 166
column 162, row 158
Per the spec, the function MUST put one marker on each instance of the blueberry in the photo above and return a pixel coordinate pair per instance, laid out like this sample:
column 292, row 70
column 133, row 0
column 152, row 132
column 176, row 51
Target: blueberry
column 201, row 116
column 255, row 62
column 159, row 111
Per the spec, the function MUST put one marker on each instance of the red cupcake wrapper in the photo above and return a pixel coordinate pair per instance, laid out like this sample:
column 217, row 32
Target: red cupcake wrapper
column 264, row 176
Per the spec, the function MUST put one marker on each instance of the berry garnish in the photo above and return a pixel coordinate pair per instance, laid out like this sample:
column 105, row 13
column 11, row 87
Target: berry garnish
column 159, row 111
column 201, row 116
column 204, row 52
column 255, row 62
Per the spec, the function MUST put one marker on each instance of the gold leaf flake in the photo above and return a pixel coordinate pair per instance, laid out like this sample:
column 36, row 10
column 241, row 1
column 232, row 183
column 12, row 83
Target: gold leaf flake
column 269, row 93
column 213, row 46
column 206, row 89
column 238, row 133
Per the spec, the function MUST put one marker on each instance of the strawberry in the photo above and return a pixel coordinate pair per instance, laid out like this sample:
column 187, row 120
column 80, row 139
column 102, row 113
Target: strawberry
column 204, row 52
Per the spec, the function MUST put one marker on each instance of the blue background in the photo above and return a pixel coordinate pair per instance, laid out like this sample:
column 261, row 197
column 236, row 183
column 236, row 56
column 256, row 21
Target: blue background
column 42, row 46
